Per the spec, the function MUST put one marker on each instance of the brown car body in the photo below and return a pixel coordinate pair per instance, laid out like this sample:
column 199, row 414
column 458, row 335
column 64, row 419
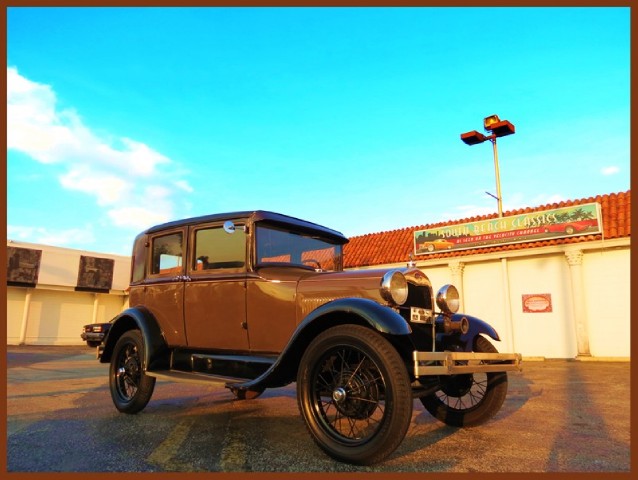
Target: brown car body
column 255, row 300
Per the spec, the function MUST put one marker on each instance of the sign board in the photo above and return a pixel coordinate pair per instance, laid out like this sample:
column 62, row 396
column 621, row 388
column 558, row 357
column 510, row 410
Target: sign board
column 584, row 219
column 95, row 274
column 537, row 303
column 23, row 266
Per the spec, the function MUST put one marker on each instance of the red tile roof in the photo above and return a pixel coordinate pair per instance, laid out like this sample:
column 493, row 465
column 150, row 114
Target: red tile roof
column 396, row 245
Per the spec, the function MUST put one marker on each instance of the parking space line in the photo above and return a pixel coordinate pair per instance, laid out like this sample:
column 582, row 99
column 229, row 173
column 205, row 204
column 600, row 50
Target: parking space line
column 163, row 456
column 233, row 455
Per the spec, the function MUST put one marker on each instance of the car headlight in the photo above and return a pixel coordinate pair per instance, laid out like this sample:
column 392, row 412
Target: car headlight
column 447, row 298
column 394, row 287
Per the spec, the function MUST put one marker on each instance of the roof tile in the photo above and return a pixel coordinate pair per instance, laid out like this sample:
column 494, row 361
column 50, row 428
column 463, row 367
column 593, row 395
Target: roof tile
column 395, row 246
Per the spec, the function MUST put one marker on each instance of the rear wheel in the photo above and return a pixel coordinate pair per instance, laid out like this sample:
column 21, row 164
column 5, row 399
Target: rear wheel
column 131, row 388
column 470, row 399
column 354, row 393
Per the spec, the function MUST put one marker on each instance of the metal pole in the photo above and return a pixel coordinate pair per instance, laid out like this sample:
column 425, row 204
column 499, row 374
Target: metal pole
column 507, row 303
column 499, row 199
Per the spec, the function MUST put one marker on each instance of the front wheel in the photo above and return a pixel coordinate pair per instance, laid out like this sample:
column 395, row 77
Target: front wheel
column 468, row 400
column 354, row 393
column 131, row 388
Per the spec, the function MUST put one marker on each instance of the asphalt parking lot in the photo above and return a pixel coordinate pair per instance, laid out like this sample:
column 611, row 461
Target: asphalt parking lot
column 559, row 416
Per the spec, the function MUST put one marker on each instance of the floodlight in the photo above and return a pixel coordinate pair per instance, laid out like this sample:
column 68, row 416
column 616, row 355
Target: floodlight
column 473, row 137
column 489, row 121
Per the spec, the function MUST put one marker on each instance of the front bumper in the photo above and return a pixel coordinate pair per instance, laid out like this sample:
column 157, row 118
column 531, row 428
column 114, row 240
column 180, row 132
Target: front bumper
column 92, row 337
column 454, row 363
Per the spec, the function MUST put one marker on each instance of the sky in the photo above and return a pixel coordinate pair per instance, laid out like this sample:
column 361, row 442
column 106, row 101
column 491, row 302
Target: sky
column 122, row 118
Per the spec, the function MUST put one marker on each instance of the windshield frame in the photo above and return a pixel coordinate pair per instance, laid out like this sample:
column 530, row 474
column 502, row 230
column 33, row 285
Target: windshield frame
column 286, row 246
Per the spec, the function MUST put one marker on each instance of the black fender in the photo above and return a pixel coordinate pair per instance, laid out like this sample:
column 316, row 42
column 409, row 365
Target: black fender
column 380, row 317
column 344, row 310
column 476, row 327
column 141, row 319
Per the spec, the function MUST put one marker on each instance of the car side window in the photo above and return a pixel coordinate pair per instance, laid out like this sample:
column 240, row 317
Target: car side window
column 217, row 249
column 167, row 252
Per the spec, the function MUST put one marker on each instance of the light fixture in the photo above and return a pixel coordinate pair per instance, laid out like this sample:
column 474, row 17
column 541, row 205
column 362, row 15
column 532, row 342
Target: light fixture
column 489, row 121
column 498, row 128
column 473, row 137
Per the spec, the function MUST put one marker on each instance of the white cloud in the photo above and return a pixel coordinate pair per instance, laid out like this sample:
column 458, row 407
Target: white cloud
column 69, row 237
column 140, row 158
column 138, row 218
column 184, row 185
column 136, row 183
column 610, row 170
column 109, row 189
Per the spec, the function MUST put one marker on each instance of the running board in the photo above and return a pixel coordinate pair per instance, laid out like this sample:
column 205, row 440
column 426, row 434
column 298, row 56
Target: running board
column 454, row 363
column 193, row 377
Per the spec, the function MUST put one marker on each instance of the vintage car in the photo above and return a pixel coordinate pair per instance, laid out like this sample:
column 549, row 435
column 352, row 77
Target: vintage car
column 438, row 244
column 571, row 227
column 94, row 333
column 257, row 300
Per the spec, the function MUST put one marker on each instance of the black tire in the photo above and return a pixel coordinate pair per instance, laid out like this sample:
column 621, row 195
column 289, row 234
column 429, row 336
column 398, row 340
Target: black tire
column 354, row 394
column 468, row 400
column 93, row 344
column 131, row 388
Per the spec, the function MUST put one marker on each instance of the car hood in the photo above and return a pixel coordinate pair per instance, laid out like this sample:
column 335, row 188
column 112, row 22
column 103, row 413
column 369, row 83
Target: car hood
column 316, row 290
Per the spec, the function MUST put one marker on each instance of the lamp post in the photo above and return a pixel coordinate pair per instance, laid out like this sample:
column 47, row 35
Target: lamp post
column 497, row 128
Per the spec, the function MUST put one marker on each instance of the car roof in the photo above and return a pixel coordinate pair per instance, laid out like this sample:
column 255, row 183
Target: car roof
column 255, row 216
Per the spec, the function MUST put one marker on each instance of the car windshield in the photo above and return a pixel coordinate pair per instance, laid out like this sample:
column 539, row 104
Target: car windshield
column 276, row 245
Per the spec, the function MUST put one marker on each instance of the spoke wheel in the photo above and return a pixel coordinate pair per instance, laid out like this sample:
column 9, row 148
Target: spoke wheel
column 354, row 393
column 470, row 399
column 131, row 388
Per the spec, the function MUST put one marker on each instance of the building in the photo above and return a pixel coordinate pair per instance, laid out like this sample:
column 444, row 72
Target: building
column 580, row 279
column 555, row 285
column 52, row 292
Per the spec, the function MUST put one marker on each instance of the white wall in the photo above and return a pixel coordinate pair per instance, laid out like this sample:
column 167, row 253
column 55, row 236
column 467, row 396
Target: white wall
column 607, row 286
column 602, row 308
column 56, row 317
column 552, row 334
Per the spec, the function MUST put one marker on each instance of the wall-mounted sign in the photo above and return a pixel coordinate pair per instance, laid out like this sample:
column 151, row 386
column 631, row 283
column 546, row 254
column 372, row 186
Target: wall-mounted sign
column 585, row 219
column 23, row 266
column 537, row 303
column 95, row 274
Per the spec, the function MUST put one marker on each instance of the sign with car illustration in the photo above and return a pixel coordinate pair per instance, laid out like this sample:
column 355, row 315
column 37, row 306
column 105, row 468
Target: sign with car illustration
column 585, row 219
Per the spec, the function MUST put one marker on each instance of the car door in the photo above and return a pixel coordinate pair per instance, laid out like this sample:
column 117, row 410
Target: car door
column 163, row 289
column 215, row 288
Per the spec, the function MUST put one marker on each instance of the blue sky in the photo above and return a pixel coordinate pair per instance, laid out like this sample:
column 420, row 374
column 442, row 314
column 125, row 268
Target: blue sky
column 122, row 118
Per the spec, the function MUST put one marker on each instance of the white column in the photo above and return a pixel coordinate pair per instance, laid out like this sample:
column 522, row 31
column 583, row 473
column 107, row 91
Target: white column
column 456, row 269
column 507, row 305
column 25, row 317
column 575, row 262
column 96, row 304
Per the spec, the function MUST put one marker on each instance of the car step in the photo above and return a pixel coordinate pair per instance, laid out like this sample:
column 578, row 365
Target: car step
column 195, row 377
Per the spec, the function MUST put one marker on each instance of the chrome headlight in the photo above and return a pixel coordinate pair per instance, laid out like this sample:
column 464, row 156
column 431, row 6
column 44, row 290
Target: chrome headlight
column 447, row 298
column 394, row 287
